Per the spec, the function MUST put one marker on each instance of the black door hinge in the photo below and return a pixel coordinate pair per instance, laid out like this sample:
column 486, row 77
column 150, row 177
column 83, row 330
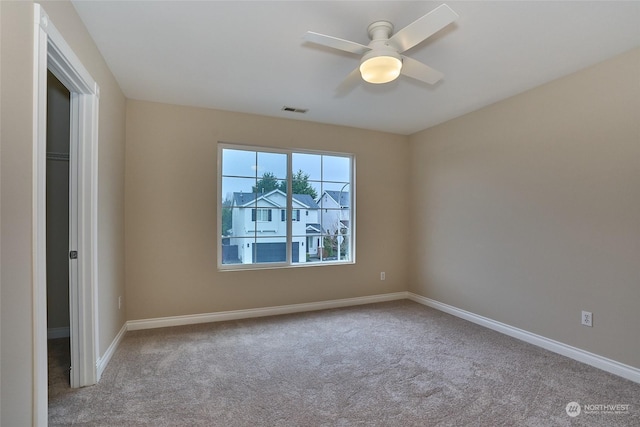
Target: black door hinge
column 73, row 254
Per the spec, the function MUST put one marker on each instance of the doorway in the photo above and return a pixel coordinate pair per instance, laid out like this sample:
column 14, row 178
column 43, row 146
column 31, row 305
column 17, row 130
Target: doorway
column 58, row 241
column 52, row 53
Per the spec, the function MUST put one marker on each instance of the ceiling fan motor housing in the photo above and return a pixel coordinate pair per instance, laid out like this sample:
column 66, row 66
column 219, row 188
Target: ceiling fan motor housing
column 380, row 30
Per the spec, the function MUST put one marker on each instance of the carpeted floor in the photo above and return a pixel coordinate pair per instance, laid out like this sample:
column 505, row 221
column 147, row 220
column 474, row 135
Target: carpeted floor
column 389, row 364
column 59, row 358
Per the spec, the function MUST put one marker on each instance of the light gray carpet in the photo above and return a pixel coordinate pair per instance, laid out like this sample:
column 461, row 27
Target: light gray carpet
column 59, row 360
column 389, row 364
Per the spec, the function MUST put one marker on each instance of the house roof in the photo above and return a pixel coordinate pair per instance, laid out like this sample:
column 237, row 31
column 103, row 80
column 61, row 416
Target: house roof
column 243, row 199
column 342, row 195
column 307, row 200
column 314, row 227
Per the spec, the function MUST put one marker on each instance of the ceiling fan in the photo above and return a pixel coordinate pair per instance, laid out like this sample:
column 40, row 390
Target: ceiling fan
column 382, row 61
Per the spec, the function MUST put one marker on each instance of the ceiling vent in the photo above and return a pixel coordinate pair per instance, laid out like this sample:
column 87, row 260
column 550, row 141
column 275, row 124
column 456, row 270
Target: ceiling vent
column 295, row 110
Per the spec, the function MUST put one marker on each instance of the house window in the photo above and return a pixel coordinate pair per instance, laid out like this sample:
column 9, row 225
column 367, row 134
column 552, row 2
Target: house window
column 255, row 184
column 263, row 215
column 296, row 215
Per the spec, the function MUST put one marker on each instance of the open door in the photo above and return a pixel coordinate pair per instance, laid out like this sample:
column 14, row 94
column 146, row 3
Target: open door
column 52, row 53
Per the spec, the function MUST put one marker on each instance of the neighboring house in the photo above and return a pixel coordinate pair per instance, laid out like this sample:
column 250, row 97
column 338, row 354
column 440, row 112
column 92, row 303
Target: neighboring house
column 259, row 227
column 335, row 207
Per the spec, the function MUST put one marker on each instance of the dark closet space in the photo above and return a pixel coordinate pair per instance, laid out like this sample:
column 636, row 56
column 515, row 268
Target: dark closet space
column 58, row 325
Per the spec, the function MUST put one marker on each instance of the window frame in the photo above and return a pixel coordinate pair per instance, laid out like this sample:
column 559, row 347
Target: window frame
column 290, row 211
column 257, row 215
column 296, row 215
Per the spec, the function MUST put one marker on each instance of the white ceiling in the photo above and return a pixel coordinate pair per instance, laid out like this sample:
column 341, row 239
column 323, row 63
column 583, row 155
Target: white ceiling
column 250, row 57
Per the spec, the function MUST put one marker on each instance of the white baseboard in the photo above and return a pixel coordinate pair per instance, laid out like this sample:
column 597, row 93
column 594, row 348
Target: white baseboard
column 600, row 362
column 103, row 361
column 163, row 322
column 63, row 332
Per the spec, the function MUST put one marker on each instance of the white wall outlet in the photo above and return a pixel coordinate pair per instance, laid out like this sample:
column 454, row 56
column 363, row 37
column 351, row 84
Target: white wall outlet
column 587, row 318
column 119, row 303
column 382, row 275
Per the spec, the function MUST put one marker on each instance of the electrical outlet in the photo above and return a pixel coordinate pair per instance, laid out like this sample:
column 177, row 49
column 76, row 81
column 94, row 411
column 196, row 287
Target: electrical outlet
column 119, row 303
column 382, row 275
column 587, row 318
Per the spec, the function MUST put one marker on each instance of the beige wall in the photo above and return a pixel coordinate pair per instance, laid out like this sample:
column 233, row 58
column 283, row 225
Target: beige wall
column 171, row 195
column 528, row 211
column 15, row 247
column 16, row 167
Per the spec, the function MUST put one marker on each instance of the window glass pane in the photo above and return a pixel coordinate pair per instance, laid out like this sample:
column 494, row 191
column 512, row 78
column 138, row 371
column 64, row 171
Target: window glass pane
column 274, row 164
column 301, row 184
column 233, row 222
column 307, row 247
column 268, row 250
column 306, row 191
column 299, row 249
column 267, row 183
column 233, row 188
column 335, row 195
column 333, row 220
column 238, row 162
column 236, row 250
column 337, row 242
column 336, row 186
column 344, row 241
column 336, row 168
column 329, row 247
column 310, row 164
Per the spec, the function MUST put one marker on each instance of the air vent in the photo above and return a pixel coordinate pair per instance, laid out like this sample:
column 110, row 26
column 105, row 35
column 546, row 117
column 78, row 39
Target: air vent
column 295, row 110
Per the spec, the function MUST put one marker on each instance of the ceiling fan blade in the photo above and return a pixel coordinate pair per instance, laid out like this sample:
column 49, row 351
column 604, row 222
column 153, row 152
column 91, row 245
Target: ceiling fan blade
column 349, row 83
column 419, row 71
column 423, row 28
column 336, row 43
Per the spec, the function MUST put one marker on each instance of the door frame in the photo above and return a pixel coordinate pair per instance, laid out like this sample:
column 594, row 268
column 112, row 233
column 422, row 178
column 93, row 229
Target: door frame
column 52, row 53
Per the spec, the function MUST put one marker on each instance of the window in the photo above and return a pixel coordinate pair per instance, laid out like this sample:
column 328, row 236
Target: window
column 256, row 183
column 261, row 215
column 296, row 215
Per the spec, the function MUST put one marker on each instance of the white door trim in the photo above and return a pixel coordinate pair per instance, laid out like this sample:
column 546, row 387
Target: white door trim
column 53, row 53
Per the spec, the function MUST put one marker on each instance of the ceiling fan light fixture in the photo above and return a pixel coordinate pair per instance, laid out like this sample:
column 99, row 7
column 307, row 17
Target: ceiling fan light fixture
column 380, row 67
